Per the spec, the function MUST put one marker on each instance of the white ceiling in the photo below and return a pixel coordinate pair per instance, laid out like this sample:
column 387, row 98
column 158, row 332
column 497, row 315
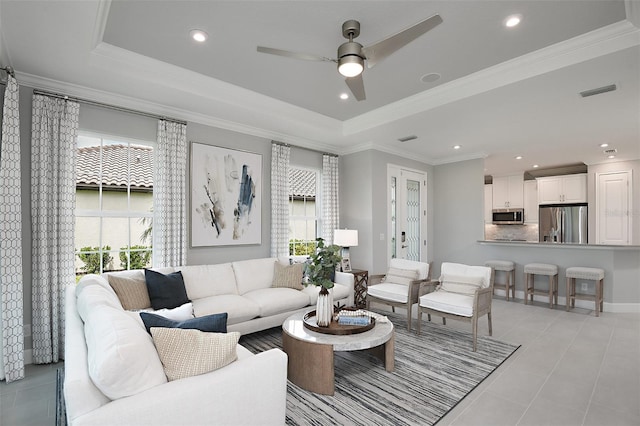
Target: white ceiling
column 503, row 92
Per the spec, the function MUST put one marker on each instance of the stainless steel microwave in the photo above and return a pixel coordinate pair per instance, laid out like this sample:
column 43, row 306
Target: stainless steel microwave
column 508, row 216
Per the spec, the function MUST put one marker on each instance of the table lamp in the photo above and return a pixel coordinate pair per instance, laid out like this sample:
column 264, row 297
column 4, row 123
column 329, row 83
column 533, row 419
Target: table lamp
column 345, row 238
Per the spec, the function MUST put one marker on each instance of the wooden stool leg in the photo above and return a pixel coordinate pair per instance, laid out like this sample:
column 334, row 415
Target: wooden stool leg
column 598, row 295
column 550, row 291
column 602, row 295
column 568, row 293
column 555, row 287
column 513, row 284
column 526, row 289
column 507, row 284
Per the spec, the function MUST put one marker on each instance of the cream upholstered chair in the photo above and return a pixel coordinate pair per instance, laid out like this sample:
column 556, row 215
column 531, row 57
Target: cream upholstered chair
column 399, row 286
column 464, row 293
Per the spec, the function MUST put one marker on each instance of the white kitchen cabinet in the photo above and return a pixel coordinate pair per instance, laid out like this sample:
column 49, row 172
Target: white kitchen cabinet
column 567, row 189
column 488, row 203
column 531, row 201
column 613, row 218
column 508, row 192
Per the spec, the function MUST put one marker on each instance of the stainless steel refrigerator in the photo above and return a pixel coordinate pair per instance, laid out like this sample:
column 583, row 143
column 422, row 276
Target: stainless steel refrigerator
column 563, row 223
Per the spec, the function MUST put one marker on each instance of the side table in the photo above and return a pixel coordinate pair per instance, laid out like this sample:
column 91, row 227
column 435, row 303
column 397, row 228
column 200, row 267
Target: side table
column 361, row 281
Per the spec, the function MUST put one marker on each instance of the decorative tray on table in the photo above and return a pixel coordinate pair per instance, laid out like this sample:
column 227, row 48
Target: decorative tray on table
column 309, row 321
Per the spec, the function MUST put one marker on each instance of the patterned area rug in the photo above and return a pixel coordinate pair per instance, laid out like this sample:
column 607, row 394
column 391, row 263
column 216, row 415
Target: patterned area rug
column 61, row 413
column 433, row 373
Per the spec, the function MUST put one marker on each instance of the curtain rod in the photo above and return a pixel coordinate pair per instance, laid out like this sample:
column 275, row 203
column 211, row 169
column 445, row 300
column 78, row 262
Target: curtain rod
column 9, row 72
column 304, row 147
column 107, row 106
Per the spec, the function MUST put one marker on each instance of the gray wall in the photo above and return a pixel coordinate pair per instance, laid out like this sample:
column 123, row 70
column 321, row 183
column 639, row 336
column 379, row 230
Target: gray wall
column 363, row 205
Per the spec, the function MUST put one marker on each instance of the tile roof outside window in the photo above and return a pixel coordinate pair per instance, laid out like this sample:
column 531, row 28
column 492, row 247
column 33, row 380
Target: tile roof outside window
column 302, row 183
column 115, row 158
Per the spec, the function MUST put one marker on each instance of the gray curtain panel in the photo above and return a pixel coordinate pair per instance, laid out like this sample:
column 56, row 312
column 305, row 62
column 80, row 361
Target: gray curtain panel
column 11, row 322
column 330, row 204
column 280, row 200
column 54, row 133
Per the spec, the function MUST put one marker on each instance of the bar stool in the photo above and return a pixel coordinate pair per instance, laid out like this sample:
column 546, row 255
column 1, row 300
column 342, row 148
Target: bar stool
column 583, row 273
column 510, row 269
column 532, row 269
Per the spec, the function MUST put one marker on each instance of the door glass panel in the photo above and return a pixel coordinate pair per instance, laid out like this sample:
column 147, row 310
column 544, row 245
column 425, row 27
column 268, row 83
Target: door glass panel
column 413, row 220
column 394, row 229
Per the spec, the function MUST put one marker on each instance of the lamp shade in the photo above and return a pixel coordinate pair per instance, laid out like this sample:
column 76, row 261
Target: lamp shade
column 345, row 237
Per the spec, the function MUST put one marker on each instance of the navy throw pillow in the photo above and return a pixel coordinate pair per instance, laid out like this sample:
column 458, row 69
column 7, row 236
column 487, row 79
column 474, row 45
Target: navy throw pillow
column 165, row 291
column 216, row 323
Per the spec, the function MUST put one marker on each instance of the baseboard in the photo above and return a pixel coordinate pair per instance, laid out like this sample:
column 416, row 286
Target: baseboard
column 584, row 304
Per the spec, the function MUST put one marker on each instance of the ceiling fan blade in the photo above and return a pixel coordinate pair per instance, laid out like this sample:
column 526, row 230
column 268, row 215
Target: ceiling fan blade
column 377, row 52
column 294, row 55
column 356, row 85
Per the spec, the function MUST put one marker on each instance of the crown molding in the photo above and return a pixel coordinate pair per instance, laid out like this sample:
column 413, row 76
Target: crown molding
column 609, row 39
column 632, row 8
column 111, row 98
column 458, row 158
column 101, row 22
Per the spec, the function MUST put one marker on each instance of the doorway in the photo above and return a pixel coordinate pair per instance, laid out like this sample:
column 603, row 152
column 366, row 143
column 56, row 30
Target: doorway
column 407, row 214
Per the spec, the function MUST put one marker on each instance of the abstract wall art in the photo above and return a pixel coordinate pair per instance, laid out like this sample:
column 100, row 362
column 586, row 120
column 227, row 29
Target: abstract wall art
column 226, row 196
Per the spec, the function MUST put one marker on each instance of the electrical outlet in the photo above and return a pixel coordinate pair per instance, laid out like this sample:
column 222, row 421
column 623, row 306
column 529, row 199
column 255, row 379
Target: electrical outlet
column 584, row 287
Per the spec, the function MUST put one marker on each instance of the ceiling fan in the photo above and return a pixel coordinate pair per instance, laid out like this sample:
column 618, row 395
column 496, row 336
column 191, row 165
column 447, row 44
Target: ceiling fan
column 352, row 55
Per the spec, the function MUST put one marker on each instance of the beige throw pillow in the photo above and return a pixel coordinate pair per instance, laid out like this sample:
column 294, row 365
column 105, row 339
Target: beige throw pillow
column 186, row 352
column 133, row 293
column 401, row 276
column 461, row 284
column 288, row 276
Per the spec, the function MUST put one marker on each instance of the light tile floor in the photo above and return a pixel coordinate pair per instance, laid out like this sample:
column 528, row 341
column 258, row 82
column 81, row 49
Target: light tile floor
column 572, row 369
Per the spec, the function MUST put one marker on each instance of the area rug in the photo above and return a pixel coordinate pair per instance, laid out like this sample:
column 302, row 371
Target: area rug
column 433, row 373
column 61, row 412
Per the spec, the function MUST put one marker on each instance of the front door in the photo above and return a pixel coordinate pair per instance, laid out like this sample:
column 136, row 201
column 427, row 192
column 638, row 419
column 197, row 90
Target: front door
column 407, row 213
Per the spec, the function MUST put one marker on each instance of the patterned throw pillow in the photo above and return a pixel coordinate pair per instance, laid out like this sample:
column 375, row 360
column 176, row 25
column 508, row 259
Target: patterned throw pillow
column 288, row 276
column 461, row 284
column 186, row 353
column 133, row 293
column 400, row 276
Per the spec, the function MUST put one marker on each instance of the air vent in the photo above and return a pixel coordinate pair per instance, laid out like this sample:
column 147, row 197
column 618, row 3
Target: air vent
column 610, row 151
column 408, row 138
column 599, row 90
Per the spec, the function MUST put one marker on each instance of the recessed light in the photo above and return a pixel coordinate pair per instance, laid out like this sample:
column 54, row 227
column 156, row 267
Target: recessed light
column 344, row 96
column 519, row 157
column 430, row 78
column 535, row 166
column 611, row 156
column 457, row 147
column 512, row 21
column 199, row 35
column 604, row 145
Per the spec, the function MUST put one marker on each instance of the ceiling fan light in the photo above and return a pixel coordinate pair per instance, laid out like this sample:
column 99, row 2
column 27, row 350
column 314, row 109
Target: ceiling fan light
column 350, row 66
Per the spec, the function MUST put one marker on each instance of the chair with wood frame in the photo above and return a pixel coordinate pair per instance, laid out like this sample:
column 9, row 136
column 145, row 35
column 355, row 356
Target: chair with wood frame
column 399, row 287
column 463, row 293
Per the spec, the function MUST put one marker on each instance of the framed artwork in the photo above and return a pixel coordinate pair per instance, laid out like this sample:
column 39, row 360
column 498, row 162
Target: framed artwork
column 226, row 196
column 346, row 264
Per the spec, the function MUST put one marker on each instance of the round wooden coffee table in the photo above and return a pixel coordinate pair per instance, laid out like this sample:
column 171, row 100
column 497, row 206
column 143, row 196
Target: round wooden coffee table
column 311, row 363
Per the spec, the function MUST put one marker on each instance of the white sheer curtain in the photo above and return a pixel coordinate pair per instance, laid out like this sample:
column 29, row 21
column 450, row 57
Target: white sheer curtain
column 11, row 322
column 279, row 200
column 54, row 132
column 169, row 198
column 330, row 204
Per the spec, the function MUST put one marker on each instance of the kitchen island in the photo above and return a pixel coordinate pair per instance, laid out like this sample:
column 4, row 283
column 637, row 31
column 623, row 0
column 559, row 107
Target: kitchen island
column 621, row 265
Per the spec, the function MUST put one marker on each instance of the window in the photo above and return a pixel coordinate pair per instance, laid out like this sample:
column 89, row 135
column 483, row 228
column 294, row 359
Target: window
column 304, row 211
column 114, row 204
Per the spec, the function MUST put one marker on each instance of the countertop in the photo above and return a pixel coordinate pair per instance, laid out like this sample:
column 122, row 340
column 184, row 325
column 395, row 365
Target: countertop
column 558, row 245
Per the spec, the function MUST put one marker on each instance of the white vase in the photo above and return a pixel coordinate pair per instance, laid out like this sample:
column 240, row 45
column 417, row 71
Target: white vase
column 324, row 308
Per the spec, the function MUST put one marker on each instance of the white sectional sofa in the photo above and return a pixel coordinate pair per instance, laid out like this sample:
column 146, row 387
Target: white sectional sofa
column 250, row 390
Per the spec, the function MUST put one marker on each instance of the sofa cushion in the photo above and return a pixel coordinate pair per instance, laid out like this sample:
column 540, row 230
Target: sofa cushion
column 208, row 280
column 132, row 292
column 274, row 301
column 122, row 359
column 453, row 303
column 389, row 291
column 288, row 276
column 238, row 308
column 339, row 292
column 253, row 274
column 181, row 313
column 216, row 323
column 186, row 353
column 421, row 267
column 463, row 284
column 165, row 291
column 95, row 296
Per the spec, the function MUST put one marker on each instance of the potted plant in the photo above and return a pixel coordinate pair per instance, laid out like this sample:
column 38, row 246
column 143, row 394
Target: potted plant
column 321, row 273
